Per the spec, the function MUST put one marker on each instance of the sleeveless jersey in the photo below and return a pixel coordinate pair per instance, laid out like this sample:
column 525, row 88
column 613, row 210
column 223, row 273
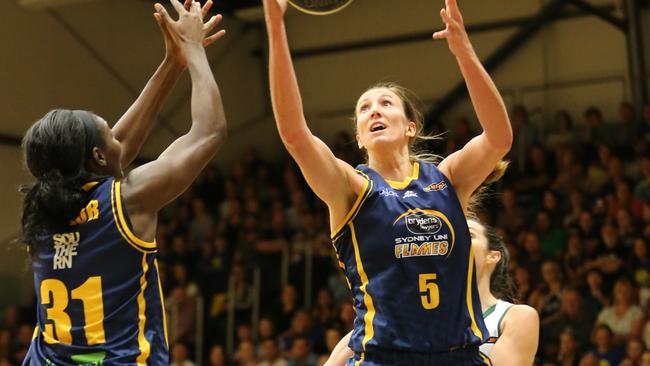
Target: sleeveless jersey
column 493, row 317
column 98, row 293
column 406, row 252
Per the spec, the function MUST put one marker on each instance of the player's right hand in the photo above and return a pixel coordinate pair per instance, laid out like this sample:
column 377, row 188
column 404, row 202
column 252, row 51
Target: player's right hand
column 189, row 28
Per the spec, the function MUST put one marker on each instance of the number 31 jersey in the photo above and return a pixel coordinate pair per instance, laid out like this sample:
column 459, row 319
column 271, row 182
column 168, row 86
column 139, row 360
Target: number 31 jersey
column 406, row 252
column 99, row 299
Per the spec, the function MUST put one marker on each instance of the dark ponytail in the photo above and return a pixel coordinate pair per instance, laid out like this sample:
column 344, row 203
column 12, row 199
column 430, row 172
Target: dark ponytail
column 501, row 284
column 55, row 149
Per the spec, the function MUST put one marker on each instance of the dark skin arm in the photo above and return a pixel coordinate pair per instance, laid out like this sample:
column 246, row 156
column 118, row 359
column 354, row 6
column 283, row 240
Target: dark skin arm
column 134, row 126
column 148, row 188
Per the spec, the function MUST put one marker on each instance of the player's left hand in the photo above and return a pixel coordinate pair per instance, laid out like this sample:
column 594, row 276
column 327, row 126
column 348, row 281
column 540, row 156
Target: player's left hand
column 173, row 50
column 454, row 31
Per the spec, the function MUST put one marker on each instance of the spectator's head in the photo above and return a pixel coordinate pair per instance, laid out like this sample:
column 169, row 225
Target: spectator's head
column 608, row 235
column 266, row 328
column 640, row 248
column 508, row 198
column 522, row 276
column 645, row 357
column 246, row 353
column 563, row 121
column 574, row 244
column 593, row 117
column 217, row 356
column 270, row 350
column 589, row 359
column 624, row 293
column 571, row 302
column 324, row 298
column 300, row 348
column 347, row 313
column 634, row 350
column 551, row 272
column 550, row 201
column 198, row 208
column 623, row 194
column 180, row 274
column 603, row 337
column 626, row 112
column 244, row 332
column 531, row 244
column 301, row 322
column 332, row 338
column 543, row 221
column 567, row 342
column 180, row 353
column 288, row 296
column 178, row 244
column 594, row 279
column 586, row 221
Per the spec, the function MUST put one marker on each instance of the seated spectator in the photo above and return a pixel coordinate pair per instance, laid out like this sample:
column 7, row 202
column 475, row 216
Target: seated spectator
column 301, row 354
column 633, row 352
column 180, row 355
column 568, row 353
column 604, row 348
column 573, row 318
column 271, row 354
column 217, row 356
column 245, row 354
column 623, row 316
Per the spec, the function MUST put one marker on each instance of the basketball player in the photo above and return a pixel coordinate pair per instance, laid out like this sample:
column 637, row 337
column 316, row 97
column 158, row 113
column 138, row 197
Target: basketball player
column 398, row 223
column 513, row 328
column 91, row 229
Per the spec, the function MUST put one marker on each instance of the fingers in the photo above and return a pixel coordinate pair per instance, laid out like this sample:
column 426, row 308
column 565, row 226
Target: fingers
column 177, row 6
column 452, row 8
column 206, row 8
column 210, row 40
column 196, row 7
column 440, row 34
column 210, row 24
column 444, row 14
column 187, row 4
column 163, row 13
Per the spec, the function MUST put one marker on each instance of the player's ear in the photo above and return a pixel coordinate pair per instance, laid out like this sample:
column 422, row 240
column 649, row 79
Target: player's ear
column 99, row 157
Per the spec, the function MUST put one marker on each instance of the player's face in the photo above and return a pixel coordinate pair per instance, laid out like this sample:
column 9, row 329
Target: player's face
column 381, row 119
column 479, row 245
column 112, row 150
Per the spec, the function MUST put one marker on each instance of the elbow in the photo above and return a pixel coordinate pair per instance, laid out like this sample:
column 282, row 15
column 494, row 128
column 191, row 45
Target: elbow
column 502, row 142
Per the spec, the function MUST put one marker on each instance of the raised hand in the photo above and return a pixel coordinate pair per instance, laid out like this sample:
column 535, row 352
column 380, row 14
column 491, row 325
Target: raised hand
column 274, row 10
column 189, row 28
column 454, row 31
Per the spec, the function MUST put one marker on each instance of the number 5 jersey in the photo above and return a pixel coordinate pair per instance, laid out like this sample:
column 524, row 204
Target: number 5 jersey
column 406, row 252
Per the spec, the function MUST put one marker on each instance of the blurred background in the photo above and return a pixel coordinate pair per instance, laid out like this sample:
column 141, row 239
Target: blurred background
column 248, row 270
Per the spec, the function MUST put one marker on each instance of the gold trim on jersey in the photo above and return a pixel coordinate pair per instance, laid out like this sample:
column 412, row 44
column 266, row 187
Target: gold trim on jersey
column 143, row 343
column 90, row 185
column 121, row 223
column 470, row 306
column 485, row 358
column 162, row 302
column 403, row 184
column 365, row 192
column 369, row 316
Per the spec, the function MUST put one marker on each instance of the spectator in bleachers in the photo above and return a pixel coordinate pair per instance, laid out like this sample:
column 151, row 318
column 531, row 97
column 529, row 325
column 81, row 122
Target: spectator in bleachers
column 569, row 352
column 217, row 356
column 301, row 354
column 286, row 309
column 180, row 355
column 510, row 217
column 245, row 354
column 572, row 317
column 271, row 354
column 547, row 298
column 551, row 236
column 633, row 352
column 604, row 349
column 202, row 223
column 525, row 135
column 623, row 316
column 562, row 134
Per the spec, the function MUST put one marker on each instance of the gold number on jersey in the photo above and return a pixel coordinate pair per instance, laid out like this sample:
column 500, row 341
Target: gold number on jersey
column 90, row 293
column 429, row 291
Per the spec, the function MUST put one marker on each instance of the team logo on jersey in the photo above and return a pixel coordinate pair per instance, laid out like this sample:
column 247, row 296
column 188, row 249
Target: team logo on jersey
column 423, row 223
column 408, row 194
column 387, row 192
column 436, row 186
column 65, row 247
column 425, row 236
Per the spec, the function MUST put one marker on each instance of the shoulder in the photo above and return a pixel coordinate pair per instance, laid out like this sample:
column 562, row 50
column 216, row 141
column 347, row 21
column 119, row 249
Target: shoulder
column 522, row 314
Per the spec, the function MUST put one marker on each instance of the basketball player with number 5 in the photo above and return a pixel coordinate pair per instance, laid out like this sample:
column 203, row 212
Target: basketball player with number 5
column 398, row 222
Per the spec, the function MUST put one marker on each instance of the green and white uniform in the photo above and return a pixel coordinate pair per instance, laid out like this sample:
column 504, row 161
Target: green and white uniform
column 493, row 317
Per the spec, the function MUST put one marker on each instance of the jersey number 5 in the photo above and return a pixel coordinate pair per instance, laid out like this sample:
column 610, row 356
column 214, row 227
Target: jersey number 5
column 429, row 291
column 55, row 292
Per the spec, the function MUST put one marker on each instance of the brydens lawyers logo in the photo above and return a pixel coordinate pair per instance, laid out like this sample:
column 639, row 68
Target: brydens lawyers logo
column 436, row 186
column 423, row 223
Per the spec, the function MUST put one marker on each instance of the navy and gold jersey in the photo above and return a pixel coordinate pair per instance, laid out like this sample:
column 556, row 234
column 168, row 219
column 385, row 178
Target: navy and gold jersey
column 406, row 252
column 98, row 293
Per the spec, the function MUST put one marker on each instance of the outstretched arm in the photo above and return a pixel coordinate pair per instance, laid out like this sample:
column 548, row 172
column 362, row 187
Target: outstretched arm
column 468, row 167
column 153, row 185
column 333, row 180
column 135, row 125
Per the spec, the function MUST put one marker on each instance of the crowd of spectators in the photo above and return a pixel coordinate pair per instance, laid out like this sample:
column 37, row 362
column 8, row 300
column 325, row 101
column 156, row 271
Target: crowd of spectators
column 574, row 210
